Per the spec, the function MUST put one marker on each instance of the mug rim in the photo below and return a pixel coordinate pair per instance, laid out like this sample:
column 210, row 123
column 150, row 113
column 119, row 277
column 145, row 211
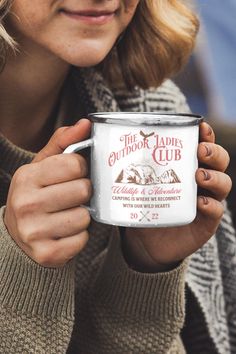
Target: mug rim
column 146, row 118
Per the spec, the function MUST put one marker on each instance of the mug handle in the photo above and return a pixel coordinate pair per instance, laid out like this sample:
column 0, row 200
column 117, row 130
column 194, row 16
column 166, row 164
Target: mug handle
column 75, row 148
column 79, row 146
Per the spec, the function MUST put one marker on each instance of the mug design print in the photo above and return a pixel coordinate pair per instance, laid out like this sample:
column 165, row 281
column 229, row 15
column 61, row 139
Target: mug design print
column 145, row 175
column 144, row 170
column 161, row 149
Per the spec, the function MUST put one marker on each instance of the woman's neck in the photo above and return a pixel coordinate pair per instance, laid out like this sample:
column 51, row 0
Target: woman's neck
column 29, row 88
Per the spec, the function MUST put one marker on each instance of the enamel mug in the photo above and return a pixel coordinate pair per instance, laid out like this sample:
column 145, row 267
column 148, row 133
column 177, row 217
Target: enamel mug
column 143, row 168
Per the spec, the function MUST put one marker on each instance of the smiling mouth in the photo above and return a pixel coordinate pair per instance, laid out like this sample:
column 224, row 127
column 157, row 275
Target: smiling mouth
column 90, row 16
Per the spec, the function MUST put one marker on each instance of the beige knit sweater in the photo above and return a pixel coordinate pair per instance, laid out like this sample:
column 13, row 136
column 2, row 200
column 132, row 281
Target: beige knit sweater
column 108, row 307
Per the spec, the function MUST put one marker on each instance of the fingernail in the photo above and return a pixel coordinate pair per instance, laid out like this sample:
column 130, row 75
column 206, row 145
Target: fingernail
column 208, row 150
column 206, row 175
column 77, row 122
column 205, row 200
column 209, row 131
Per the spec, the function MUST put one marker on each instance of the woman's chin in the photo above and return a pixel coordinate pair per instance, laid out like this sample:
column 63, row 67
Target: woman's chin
column 85, row 63
column 86, row 57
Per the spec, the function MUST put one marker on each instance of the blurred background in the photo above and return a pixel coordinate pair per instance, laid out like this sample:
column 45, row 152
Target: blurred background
column 209, row 79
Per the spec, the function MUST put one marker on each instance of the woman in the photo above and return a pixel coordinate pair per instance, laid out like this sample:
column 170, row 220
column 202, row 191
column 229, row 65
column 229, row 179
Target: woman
column 67, row 286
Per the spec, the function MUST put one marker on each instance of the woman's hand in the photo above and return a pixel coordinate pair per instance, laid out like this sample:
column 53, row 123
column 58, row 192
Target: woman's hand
column 160, row 249
column 43, row 213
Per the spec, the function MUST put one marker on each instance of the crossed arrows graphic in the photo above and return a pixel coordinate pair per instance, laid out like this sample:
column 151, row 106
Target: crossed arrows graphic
column 144, row 216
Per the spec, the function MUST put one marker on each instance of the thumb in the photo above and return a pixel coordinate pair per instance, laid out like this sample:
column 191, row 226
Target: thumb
column 64, row 137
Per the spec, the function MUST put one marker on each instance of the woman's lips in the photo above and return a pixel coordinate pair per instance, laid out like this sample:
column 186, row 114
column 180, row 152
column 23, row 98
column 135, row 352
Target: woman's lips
column 90, row 16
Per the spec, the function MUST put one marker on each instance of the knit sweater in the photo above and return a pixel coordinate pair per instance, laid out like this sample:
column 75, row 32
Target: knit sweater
column 96, row 303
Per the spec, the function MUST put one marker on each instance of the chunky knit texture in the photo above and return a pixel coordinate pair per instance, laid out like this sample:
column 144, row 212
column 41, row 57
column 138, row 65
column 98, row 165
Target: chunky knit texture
column 96, row 303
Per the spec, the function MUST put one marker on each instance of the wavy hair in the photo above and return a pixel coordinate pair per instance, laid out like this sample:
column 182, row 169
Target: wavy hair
column 5, row 39
column 155, row 46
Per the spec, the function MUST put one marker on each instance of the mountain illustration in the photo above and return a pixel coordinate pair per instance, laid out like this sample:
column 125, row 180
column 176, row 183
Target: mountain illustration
column 145, row 174
column 168, row 177
column 139, row 174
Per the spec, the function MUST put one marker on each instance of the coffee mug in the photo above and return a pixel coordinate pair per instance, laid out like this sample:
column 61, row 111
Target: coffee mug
column 143, row 168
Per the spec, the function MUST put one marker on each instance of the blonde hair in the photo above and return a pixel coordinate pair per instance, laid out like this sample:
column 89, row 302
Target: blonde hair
column 155, row 46
column 5, row 39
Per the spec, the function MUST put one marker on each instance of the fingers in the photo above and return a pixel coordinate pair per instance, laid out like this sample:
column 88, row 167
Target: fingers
column 66, row 223
column 213, row 155
column 73, row 246
column 213, row 180
column 70, row 238
column 209, row 214
column 53, row 226
column 44, row 201
column 206, row 133
column 56, row 253
column 211, row 210
column 64, row 137
column 59, row 169
column 75, row 193
column 218, row 184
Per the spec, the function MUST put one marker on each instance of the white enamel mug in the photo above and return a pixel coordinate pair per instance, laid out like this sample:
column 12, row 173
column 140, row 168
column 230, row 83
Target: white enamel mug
column 143, row 168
